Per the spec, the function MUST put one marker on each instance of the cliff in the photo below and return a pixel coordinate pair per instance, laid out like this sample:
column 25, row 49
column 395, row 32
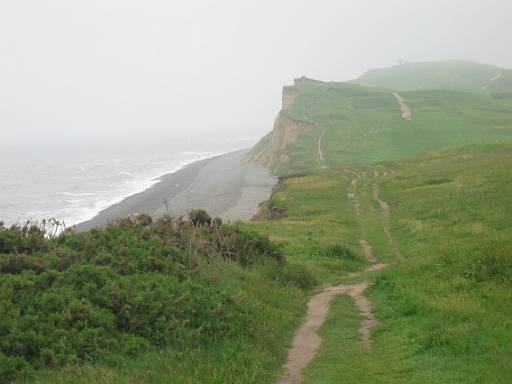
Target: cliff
column 271, row 149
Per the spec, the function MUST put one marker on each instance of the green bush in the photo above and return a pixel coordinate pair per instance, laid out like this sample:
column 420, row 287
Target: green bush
column 199, row 217
column 131, row 286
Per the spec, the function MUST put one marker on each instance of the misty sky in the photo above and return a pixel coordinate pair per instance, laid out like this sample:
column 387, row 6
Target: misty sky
column 112, row 67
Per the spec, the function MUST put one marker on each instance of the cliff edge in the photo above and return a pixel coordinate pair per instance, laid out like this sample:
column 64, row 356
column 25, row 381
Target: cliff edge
column 270, row 151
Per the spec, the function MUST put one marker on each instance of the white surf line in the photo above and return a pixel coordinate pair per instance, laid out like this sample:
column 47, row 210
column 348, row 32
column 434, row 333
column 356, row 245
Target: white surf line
column 406, row 111
column 321, row 156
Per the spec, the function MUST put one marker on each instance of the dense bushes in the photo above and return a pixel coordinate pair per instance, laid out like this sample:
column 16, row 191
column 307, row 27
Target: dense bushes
column 122, row 289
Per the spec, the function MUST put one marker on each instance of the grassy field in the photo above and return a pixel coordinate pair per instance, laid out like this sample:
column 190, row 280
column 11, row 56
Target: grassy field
column 450, row 74
column 363, row 125
column 444, row 312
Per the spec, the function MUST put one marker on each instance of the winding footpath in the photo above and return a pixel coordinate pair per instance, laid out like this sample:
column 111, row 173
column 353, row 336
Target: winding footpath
column 406, row 111
column 307, row 342
column 320, row 153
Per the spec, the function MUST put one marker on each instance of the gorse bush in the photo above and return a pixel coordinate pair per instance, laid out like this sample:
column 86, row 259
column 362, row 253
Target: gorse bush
column 199, row 217
column 120, row 290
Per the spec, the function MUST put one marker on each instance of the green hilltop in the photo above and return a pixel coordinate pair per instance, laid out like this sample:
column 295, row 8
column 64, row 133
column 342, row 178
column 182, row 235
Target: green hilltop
column 354, row 124
column 450, row 74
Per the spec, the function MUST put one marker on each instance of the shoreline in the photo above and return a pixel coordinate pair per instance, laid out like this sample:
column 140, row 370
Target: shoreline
column 223, row 185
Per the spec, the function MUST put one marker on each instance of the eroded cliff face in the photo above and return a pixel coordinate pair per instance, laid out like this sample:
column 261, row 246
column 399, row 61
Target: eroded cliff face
column 289, row 95
column 271, row 150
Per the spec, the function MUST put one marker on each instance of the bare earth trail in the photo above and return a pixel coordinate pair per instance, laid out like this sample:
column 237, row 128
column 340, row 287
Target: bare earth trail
column 406, row 111
column 320, row 153
column 386, row 210
column 306, row 342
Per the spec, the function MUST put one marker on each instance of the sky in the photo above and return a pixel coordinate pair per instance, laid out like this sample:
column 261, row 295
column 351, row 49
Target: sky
column 201, row 68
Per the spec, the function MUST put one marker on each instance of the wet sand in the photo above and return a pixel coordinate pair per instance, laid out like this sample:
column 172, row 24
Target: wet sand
column 225, row 186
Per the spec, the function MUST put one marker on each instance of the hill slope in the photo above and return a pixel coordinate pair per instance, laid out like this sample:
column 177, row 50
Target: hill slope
column 443, row 308
column 451, row 74
column 369, row 179
column 333, row 124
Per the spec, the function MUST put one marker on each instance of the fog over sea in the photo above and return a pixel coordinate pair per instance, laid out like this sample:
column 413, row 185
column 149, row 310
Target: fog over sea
column 73, row 179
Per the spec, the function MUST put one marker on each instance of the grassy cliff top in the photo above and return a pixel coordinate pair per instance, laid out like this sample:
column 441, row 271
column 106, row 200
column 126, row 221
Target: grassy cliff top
column 354, row 124
column 450, row 74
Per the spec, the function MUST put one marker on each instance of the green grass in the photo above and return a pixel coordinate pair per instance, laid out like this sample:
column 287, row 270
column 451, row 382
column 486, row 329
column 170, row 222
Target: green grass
column 316, row 221
column 445, row 311
column 450, row 300
column 450, row 74
column 363, row 125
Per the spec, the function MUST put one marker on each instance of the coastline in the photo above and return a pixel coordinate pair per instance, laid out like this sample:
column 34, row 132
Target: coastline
column 223, row 185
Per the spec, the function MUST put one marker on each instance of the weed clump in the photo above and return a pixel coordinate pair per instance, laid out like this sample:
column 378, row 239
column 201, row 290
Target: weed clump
column 340, row 251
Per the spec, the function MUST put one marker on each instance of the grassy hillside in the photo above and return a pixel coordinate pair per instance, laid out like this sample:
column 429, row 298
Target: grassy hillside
column 443, row 311
column 360, row 125
column 451, row 75
column 430, row 196
column 165, row 302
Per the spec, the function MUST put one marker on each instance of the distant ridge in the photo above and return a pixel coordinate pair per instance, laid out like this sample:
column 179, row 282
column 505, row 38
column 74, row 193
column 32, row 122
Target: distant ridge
column 450, row 75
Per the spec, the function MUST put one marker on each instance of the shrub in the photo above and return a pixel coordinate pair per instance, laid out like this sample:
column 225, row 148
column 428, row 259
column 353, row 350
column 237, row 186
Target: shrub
column 245, row 246
column 144, row 220
column 199, row 217
column 123, row 289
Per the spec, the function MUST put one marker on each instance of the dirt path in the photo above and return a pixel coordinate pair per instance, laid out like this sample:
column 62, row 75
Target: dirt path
column 406, row 111
column 368, row 252
column 306, row 342
column 492, row 80
column 365, row 309
column 321, row 157
column 385, row 212
column 351, row 193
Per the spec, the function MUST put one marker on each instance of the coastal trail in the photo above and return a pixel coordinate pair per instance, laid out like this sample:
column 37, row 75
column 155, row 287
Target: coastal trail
column 406, row 111
column 307, row 343
column 319, row 152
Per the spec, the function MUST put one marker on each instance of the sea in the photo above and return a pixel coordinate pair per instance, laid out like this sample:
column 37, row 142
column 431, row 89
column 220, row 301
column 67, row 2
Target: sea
column 71, row 180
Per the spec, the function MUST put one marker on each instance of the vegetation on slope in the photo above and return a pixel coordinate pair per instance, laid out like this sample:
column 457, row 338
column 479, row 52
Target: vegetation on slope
column 109, row 297
column 450, row 74
column 449, row 302
column 443, row 311
column 357, row 125
column 313, row 228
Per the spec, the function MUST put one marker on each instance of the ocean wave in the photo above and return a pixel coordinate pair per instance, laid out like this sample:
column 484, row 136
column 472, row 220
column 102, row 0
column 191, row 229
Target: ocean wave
column 77, row 194
column 75, row 197
column 94, row 207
